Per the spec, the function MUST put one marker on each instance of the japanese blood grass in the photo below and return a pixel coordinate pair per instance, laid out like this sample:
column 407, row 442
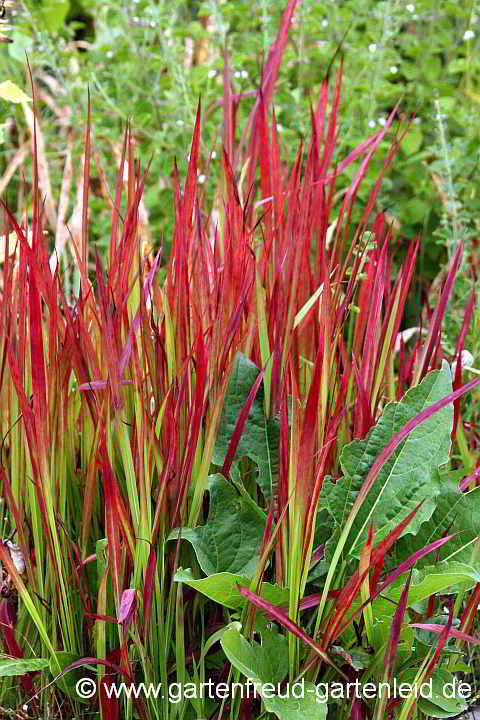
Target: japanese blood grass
column 114, row 414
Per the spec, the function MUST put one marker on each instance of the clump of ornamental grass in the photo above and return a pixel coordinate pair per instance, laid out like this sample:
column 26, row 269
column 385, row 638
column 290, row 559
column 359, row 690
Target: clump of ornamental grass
column 178, row 456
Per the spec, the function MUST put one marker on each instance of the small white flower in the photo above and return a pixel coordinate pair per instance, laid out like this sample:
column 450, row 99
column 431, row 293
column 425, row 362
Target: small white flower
column 324, row 22
column 372, row 47
column 382, row 121
column 410, row 8
column 371, row 123
column 280, row 128
column 212, row 73
column 168, row 32
column 153, row 23
column 468, row 35
column 110, row 53
column 201, row 179
column 237, row 74
column 393, row 69
column 244, row 74
column 180, row 123
column 136, row 19
column 213, row 155
column 417, row 120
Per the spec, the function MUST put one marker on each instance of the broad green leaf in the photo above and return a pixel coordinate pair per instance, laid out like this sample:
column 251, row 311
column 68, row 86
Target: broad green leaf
column 432, row 68
column 441, row 694
column 456, row 512
column 21, row 44
column 67, row 683
column 311, row 703
column 273, row 650
column 266, row 662
column 408, row 477
column 241, row 654
column 444, row 577
column 53, row 14
column 383, row 611
column 12, row 93
column 231, row 539
column 412, row 141
column 430, row 639
column 458, row 65
column 415, row 209
column 11, row 667
column 382, row 628
column 261, row 436
column 223, row 588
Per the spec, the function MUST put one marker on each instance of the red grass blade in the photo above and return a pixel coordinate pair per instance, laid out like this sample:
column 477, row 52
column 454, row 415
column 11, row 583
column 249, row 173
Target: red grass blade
column 396, row 629
column 280, row 617
column 434, row 627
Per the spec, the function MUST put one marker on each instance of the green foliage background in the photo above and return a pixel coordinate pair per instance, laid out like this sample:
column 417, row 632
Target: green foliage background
column 134, row 57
